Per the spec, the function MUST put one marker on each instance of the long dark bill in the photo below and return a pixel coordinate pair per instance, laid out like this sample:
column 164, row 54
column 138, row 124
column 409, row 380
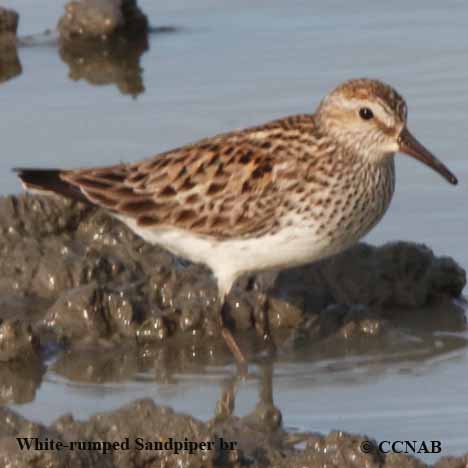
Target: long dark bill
column 409, row 145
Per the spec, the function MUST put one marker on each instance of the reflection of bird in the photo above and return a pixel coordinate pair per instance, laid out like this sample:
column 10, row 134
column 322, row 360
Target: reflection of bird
column 278, row 195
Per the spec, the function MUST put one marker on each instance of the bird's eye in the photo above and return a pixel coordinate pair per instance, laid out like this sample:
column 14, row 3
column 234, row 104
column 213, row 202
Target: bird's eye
column 365, row 113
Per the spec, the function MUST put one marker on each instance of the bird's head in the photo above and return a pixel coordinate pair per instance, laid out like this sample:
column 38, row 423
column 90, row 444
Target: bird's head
column 368, row 117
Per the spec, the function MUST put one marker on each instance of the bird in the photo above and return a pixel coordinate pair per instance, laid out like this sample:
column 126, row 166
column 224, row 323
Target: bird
column 292, row 191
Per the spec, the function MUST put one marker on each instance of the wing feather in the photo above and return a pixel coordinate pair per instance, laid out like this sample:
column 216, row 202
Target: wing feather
column 228, row 186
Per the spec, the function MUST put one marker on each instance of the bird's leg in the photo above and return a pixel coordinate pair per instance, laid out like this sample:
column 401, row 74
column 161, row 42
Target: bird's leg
column 262, row 323
column 230, row 340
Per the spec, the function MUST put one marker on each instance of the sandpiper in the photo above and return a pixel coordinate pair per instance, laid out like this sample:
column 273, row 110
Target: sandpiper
column 289, row 192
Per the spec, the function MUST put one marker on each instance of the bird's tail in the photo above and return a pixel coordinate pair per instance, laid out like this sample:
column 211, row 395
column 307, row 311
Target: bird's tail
column 48, row 181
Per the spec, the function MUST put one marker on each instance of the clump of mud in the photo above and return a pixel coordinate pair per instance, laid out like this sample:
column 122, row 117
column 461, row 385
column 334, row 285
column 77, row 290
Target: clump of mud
column 233, row 442
column 116, row 61
column 10, row 65
column 8, row 24
column 102, row 42
column 101, row 19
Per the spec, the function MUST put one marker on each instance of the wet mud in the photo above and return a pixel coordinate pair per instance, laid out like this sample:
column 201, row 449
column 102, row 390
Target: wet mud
column 78, row 286
column 10, row 65
column 102, row 42
column 8, row 25
column 138, row 427
column 99, row 20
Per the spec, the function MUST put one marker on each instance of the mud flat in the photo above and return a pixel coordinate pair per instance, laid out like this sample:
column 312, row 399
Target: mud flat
column 131, row 437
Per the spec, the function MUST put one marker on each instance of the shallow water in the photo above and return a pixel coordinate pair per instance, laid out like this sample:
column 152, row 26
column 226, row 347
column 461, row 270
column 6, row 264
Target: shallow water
column 231, row 66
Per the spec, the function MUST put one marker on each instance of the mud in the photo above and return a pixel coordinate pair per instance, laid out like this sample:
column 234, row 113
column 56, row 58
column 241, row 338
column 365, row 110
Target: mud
column 102, row 42
column 101, row 19
column 142, row 422
column 10, row 65
column 8, row 24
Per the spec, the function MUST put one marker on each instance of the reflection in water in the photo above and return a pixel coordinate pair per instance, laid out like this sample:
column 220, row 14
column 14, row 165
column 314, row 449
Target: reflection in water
column 10, row 66
column 115, row 61
column 265, row 416
column 410, row 338
column 418, row 340
column 156, row 363
column 262, row 426
column 102, row 42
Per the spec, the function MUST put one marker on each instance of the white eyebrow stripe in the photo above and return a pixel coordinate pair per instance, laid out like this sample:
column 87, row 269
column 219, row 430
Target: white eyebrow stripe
column 378, row 107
